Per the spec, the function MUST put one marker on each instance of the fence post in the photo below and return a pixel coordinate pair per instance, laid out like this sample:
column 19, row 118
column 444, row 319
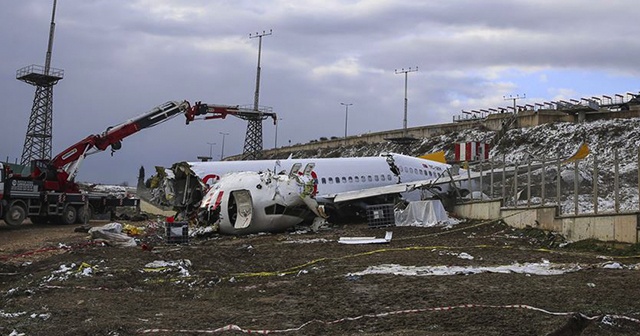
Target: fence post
column 481, row 180
column 576, row 175
column 595, row 183
column 529, row 182
column 544, row 182
column 558, row 179
column 515, row 185
column 491, row 179
column 504, row 181
column 616, row 181
column 469, row 180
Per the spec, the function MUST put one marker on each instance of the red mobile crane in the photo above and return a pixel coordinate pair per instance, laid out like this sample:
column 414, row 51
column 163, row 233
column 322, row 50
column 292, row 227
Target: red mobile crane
column 50, row 193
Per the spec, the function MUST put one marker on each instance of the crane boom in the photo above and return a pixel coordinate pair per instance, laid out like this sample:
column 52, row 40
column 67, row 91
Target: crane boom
column 68, row 161
column 209, row 111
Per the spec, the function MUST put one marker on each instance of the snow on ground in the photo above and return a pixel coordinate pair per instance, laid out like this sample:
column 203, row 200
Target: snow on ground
column 543, row 268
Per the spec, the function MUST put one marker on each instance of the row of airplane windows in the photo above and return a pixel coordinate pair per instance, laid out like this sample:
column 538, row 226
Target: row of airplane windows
column 371, row 178
column 357, row 179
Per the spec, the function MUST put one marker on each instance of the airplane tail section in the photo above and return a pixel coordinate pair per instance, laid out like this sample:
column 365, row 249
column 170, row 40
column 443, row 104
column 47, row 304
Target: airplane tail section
column 580, row 153
column 436, row 156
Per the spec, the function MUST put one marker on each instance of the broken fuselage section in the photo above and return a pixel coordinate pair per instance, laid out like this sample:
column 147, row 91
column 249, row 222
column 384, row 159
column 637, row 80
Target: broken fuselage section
column 238, row 203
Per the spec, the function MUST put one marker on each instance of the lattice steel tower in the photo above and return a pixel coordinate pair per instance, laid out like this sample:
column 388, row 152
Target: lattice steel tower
column 253, row 138
column 37, row 143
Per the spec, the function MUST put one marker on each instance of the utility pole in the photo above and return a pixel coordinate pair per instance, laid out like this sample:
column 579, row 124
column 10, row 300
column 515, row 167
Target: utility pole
column 346, row 117
column 222, row 151
column 405, row 72
column 253, row 138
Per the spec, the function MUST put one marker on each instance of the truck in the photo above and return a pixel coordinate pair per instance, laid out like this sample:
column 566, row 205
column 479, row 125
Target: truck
column 48, row 191
column 23, row 196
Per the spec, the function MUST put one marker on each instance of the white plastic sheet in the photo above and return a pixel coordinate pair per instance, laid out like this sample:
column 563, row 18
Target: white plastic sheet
column 425, row 214
column 112, row 233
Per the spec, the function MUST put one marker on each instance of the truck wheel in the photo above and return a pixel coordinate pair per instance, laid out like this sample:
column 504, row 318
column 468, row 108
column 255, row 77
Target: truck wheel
column 82, row 214
column 15, row 214
column 39, row 219
column 69, row 215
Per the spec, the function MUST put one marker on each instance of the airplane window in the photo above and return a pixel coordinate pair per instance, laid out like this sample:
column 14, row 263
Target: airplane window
column 324, row 180
column 389, row 177
column 350, row 179
column 357, row 179
column 331, row 180
column 363, row 178
column 369, row 178
column 382, row 177
column 411, row 170
column 430, row 173
column 375, row 177
column 421, row 172
column 337, row 180
column 344, row 180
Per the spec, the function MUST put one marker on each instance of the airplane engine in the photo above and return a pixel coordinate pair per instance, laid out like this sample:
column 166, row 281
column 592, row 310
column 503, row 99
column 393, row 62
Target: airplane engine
column 250, row 202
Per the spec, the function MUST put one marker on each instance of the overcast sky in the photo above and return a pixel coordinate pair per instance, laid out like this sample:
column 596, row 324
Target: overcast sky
column 122, row 58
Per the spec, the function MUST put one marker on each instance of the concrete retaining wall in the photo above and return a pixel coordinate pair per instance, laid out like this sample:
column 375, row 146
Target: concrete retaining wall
column 605, row 227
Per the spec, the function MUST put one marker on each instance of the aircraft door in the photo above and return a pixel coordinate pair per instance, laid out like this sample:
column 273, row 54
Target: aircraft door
column 308, row 168
column 295, row 169
column 240, row 208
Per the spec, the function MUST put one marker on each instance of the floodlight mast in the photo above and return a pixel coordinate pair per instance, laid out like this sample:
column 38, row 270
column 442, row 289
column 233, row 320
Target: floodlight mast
column 405, row 72
column 253, row 139
column 514, row 98
column 38, row 138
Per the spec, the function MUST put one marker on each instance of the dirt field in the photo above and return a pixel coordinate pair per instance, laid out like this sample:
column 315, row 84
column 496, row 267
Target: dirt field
column 309, row 284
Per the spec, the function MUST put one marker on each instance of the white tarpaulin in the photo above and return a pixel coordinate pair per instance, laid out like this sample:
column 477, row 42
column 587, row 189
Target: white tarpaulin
column 424, row 213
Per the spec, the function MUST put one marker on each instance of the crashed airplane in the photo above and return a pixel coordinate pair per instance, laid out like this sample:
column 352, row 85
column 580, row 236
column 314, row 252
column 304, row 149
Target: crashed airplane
column 241, row 197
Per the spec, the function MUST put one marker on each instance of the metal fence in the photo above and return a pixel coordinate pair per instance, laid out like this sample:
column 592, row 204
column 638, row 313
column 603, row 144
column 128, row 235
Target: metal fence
column 586, row 186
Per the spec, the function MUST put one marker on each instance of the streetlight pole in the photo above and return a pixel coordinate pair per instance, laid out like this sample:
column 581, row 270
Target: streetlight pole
column 405, row 72
column 211, row 144
column 346, row 117
column 222, row 151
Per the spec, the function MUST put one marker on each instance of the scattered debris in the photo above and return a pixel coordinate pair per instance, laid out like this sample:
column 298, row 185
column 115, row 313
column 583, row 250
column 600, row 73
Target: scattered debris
column 575, row 325
column 162, row 266
column 366, row 240
column 83, row 228
column 112, row 234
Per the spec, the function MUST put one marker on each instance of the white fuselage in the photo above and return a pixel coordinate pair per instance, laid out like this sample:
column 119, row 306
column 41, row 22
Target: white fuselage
column 336, row 175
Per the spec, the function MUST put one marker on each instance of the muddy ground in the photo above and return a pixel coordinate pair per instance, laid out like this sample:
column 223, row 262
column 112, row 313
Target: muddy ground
column 54, row 281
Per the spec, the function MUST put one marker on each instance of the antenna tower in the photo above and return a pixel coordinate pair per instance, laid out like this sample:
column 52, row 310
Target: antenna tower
column 37, row 143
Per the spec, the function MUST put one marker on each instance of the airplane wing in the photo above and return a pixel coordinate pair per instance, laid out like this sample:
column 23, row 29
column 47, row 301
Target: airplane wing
column 423, row 184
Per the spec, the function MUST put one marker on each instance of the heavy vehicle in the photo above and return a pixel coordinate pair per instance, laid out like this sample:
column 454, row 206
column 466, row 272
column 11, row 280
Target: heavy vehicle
column 48, row 192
